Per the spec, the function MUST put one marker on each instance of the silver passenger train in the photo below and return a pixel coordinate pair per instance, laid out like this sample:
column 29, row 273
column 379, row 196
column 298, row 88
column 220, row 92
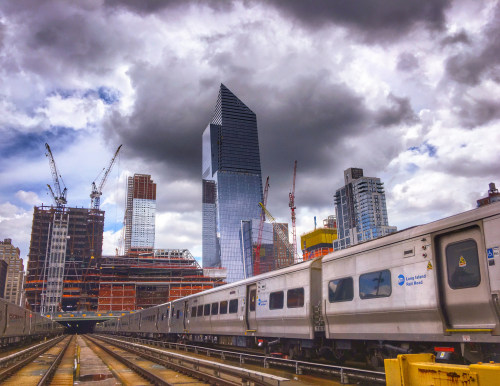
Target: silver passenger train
column 18, row 324
column 433, row 287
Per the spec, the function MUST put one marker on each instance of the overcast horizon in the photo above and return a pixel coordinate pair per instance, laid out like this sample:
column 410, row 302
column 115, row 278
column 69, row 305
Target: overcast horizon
column 408, row 91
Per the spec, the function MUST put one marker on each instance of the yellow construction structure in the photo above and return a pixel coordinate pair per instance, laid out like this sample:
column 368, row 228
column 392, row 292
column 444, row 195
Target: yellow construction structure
column 422, row 369
column 318, row 242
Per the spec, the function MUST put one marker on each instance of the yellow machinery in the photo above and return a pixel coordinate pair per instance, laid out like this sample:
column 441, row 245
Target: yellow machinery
column 422, row 369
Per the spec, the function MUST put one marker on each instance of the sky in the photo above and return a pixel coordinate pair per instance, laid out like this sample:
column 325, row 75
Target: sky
column 409, row 91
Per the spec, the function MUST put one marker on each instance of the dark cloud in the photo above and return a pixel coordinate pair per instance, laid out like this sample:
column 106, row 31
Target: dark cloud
column 407, row 62
column 153, row 6
column 459, row 37
column 481, row 61
column 61, row 40
column 399, row 112
column 388, row 19
column 474, row 112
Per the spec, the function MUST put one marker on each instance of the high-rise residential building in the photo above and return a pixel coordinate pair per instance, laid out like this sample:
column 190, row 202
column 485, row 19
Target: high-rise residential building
column 15, row 271
column 360, row 209
column 231, row 184
column 140, row 213
column 63, row 273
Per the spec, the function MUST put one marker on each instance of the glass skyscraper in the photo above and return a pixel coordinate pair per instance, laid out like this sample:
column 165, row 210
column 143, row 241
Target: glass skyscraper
column 232, row 184
column 361, row 210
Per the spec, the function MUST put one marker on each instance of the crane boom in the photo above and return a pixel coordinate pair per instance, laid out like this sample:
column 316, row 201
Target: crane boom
column 95, row 196
column 58, row 196
column 279, row 231
column 256, row 269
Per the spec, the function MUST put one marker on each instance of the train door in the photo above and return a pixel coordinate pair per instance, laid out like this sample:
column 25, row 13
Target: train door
column 251, row 307
column 464, row 282
column 185, row 316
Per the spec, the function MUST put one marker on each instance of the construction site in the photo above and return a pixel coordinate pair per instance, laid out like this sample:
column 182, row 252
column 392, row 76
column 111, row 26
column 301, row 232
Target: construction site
column 68, row 273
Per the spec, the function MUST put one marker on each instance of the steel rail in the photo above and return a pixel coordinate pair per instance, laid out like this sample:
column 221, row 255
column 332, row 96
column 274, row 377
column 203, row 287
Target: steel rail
column 174, row 361
column 299, row 366
column 25, row 357
column 53, row 367
column 139, row 370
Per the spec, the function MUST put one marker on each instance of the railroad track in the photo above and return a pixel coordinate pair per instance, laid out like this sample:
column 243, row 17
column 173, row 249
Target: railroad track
column 299, row 367
column 206, row 371
column 34, row 365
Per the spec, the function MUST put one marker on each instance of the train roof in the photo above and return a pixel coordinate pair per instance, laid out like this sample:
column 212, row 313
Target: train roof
column 476, row 214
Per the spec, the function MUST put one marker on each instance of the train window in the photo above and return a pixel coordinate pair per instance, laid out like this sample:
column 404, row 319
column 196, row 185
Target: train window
column 223, row 307
column 341, row 290
column 253, row 294
column 233, row 306
column 375, row 284
column 215, row 308
column 178, row 313
column 200, row 310
column 193, row 312
column 206, row 310
column 462, row 263
column 276, row 300
column 295, row 298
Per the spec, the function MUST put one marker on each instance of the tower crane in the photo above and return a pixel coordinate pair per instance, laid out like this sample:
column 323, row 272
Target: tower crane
column 256, row 268
column 95, row 196
column 292, row 206
column 278, row 229
column 58, row 196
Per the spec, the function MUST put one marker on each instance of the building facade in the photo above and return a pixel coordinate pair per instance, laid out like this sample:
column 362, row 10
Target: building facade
column 140, row 213
column 231, row 184
column 62, row 272
column 361, row 209
column 15, row 271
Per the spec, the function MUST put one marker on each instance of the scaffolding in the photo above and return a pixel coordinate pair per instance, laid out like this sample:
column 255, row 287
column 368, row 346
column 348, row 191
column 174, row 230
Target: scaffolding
column 66, row 244
column 151, row 277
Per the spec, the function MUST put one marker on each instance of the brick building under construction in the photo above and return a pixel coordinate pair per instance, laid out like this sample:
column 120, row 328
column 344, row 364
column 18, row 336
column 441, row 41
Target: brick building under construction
column 67, row 272
column 63, row 267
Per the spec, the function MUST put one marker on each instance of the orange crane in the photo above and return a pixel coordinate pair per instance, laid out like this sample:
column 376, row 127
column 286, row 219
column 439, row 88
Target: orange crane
column 292, row 206
column 256, row 266
column 95, row 196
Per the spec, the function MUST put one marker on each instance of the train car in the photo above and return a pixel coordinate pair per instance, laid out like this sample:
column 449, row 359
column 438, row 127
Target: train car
column 18, row 324
column 427, row 286
column 434, row 286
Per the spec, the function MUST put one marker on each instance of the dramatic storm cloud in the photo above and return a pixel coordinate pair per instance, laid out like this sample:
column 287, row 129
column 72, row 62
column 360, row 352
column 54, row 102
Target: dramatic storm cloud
column 407, row 90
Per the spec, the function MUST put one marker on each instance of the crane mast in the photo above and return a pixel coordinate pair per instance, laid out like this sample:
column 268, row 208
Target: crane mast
column 256, row 268
column 58, row 196
column 279, row 232
column 292, row 206
column 95, row 196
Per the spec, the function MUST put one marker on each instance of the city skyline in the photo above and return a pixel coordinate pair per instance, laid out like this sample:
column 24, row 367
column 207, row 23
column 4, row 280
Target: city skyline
column 408, row 93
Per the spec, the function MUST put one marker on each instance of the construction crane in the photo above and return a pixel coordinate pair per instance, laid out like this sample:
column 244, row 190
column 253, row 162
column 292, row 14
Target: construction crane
column 292, row 206
column 256, row 266
column 58, row 196
column 279, row 232
column 95, row 196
